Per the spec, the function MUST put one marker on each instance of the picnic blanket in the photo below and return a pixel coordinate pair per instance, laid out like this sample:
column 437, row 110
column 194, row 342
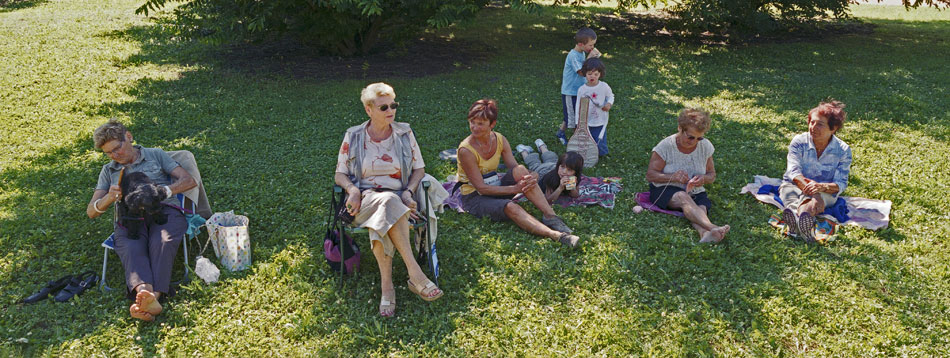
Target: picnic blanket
column 848, row 210
column 593, row 191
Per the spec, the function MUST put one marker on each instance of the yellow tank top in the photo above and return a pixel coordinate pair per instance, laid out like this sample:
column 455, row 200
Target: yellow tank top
column 485, row 166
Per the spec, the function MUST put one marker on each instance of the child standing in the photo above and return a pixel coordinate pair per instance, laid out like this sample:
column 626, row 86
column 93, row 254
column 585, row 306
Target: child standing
column 601, row 100
column 572, row 79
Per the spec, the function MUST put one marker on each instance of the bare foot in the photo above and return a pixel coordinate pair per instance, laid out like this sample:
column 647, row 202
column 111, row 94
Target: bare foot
column 708, row 237
column 138, row 313
column 720, row 232
column 148, row 302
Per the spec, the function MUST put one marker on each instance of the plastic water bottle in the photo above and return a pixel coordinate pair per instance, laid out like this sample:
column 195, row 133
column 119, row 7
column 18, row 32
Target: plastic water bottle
column 207, row 270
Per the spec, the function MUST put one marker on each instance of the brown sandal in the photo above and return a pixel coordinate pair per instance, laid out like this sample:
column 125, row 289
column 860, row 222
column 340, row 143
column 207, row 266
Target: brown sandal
column 425, row 292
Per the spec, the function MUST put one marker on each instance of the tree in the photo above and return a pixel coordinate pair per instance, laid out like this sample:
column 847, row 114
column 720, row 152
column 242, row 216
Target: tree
column 343, row 27
column 749, row 15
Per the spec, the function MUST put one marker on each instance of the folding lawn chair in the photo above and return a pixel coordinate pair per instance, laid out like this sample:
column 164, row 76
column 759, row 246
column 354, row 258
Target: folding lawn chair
column 109, row 244
column 195, row 213
column 424, row 244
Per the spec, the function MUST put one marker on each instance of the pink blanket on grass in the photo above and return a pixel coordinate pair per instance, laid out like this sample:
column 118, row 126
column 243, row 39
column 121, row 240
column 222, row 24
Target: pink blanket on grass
column 643, row 199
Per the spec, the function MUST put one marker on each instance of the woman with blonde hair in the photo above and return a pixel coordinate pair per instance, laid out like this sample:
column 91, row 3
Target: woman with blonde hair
column 679, row 167
column 380, row 167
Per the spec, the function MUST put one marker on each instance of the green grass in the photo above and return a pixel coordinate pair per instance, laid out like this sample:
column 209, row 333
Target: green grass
column 640, row 286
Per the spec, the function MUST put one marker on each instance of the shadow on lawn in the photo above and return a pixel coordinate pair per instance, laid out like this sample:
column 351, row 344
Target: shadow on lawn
column 14, row 5
column 261, row 139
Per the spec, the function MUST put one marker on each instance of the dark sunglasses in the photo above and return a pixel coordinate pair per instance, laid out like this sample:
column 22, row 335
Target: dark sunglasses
column 386, row 107
column 693, row 138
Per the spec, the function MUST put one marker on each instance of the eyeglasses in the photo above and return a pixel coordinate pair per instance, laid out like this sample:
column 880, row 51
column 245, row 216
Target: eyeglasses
column 386, row 107
column 692, row 137
column 115, row 150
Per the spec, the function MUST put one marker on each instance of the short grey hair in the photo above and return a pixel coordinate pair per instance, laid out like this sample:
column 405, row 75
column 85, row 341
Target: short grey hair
column 111, row 130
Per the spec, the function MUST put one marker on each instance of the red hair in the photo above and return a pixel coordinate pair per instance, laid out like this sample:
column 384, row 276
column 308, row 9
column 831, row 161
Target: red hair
column 833, row 110
column 484, row 108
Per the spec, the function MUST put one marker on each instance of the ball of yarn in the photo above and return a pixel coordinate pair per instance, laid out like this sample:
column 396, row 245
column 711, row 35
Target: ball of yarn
column 637, row 209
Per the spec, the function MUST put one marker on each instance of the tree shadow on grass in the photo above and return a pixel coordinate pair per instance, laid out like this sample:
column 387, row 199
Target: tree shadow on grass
column 14, row 5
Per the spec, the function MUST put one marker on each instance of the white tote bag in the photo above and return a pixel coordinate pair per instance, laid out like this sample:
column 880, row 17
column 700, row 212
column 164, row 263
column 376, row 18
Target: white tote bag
column 230, row 240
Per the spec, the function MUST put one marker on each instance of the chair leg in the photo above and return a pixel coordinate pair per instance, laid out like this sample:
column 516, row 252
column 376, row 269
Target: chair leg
column 187, row 269
column 102, row 280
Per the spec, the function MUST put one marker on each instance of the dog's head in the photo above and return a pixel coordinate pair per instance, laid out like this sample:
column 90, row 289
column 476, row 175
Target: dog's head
column 142, row 197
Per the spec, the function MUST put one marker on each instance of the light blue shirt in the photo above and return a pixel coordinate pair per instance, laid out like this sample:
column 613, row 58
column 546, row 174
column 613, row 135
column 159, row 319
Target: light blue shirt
column 834, row 166
column 570, row 80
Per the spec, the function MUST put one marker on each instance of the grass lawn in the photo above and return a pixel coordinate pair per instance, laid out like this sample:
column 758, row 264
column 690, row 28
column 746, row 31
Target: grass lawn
column 640, row 286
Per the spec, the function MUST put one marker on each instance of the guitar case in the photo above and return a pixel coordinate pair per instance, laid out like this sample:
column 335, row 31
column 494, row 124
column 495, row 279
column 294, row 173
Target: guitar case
column 582, row 141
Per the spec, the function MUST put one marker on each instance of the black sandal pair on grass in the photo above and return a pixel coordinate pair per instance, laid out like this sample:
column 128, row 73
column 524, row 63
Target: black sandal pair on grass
column 64, row 288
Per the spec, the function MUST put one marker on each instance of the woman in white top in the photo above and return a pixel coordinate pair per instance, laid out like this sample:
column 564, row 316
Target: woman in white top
column 380, row 167
column 679, row 167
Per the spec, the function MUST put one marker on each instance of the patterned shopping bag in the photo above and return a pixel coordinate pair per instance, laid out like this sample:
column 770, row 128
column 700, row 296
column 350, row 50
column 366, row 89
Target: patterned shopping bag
column 230, row 240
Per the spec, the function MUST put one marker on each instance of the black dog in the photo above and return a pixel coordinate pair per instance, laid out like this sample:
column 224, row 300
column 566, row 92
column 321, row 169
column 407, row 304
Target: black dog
column 141, row 203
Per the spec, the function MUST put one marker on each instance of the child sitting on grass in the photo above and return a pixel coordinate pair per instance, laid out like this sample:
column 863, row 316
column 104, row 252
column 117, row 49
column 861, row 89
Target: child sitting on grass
column 553, row 183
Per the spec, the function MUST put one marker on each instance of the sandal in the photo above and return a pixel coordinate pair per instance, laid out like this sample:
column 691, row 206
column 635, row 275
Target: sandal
column 77, row 285
column 386, row 306
column 425, row 292
column 569, row 240
column 50, row 287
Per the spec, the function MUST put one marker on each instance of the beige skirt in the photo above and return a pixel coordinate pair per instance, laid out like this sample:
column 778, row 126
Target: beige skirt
column 379, row 211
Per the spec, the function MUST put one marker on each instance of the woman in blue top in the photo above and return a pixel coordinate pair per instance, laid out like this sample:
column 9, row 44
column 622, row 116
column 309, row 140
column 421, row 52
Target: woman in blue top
column 818, row 166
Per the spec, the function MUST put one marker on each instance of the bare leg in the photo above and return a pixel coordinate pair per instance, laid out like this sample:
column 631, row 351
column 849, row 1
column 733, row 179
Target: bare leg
column 812, row 206
column 385, row 277
column 534, row 195
column 529, row 223
column 399, row 234
column 697, row 216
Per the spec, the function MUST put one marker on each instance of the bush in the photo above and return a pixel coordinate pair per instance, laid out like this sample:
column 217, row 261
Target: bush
column 753, row 16
column 342, row 27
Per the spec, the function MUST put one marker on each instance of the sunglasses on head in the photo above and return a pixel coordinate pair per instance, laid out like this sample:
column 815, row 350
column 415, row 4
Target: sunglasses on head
column 386, row 107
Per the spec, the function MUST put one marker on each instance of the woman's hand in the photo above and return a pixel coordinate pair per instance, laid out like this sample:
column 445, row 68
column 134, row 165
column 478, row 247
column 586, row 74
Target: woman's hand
column 114, row 195
column 526, row 183
column 353, row 201
column 680, row 177
column 695, row 182
column 811, row 187
column 409, row 201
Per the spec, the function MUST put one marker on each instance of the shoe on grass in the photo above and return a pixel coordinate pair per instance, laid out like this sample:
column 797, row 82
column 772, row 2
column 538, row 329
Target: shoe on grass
column 791, row 222
column 561, row 137
column 539, row 143
column 523, row 148
column 556, row 224
column 806, row 227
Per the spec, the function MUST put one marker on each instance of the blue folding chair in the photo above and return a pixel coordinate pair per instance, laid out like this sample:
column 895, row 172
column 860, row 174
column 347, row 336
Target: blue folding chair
column 109, row 243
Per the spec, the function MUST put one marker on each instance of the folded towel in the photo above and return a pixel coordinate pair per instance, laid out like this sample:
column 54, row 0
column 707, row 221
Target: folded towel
column 867, row 213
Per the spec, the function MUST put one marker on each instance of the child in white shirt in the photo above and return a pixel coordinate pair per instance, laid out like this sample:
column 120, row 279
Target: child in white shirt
column 601, row 100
